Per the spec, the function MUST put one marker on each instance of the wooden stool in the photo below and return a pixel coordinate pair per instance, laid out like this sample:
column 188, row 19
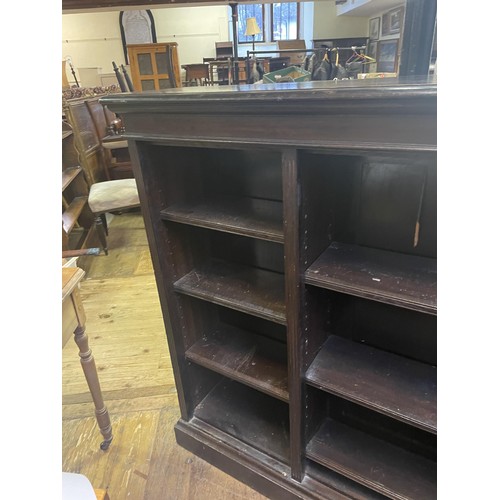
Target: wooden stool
column 74, row 322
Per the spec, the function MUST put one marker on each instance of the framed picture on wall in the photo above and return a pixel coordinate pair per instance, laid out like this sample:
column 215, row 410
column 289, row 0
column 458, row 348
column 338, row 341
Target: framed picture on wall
column 371, row 50
column 387, row 56
column 374, row 28
column 392, row 21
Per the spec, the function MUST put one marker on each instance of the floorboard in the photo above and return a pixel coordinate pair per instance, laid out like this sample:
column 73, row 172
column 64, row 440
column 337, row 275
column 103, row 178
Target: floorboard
column 127, row 338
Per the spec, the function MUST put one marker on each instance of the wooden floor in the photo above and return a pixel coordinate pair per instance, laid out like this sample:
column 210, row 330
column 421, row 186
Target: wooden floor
column 127, row 337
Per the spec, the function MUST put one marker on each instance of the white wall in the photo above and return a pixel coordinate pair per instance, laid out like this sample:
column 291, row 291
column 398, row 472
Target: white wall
column 351, row 5
column 328, row 25
column 94, row 40
column 195, row 30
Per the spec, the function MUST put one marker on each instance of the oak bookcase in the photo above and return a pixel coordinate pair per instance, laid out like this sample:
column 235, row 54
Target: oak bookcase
column 292, row 230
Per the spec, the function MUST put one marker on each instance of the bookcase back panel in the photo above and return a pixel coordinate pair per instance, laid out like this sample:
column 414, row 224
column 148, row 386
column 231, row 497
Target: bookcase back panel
column 385, row 201
column 377, row 425
column 201, row 246
column 194, row 173
column 259, row 326
column 392, row 329
column 247, row 251
column 244, row 173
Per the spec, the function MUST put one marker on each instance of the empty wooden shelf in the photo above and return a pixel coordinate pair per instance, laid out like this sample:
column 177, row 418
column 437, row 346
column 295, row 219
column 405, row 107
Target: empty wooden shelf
column 403, row 280
column 241, row 355
column 257, row 218
column 243, row 413
column 295, row 257
column 252, row 290
column 394, row 385
column 382, row 466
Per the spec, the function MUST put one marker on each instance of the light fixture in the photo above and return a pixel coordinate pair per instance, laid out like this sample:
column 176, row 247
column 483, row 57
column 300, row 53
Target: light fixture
column 252, row 29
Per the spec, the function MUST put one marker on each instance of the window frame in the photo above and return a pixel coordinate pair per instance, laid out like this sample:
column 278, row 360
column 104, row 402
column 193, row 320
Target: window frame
column 272, row 22
column 267, row 23
column 263, row 27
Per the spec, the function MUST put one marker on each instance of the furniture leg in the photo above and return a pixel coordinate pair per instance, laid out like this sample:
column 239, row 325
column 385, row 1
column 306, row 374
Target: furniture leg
column 101, row 233
column 90, row 371
column 104, row 223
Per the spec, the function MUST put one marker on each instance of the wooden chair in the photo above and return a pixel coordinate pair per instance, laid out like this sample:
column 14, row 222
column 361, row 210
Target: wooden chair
column 105, row 195
column 115, row 148
column 170, row 66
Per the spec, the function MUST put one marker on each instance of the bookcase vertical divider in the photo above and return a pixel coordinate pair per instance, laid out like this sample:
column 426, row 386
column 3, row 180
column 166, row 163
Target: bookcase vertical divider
column 294, row 291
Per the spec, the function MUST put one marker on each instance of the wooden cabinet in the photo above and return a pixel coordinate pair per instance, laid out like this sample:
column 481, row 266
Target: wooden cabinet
column 295, row 258
column 152, row 66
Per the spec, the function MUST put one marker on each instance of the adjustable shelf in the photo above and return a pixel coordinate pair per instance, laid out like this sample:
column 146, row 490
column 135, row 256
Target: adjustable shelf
column 246, row 289
column 375, row 463
column 256, row 361
column 257, row 218
column 390, row 384
column 393, row 278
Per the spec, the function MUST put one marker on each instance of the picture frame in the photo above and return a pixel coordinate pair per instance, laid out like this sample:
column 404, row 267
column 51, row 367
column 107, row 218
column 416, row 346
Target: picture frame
column 387, row 56
column 371, row 51
column 375, row 28
column 392, row 21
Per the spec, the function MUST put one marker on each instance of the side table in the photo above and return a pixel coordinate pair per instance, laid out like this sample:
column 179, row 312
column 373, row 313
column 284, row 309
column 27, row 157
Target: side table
column 73, row 322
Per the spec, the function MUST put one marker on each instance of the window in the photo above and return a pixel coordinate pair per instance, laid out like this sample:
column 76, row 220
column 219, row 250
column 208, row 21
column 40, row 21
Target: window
column 244, row 12
column 284, row 21
column 277, row 21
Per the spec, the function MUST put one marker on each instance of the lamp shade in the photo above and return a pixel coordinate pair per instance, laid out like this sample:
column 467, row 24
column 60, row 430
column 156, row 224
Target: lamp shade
column 252, row 27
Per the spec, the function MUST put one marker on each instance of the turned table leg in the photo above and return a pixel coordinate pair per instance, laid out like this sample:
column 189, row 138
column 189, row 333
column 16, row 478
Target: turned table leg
column 90, row 371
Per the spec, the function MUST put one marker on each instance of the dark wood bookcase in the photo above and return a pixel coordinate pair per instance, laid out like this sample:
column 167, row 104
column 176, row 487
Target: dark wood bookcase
column 293, row 235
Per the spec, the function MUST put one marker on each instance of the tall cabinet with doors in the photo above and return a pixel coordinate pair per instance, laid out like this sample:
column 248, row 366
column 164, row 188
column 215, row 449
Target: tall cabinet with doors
column 154, row 66
column 295, row 259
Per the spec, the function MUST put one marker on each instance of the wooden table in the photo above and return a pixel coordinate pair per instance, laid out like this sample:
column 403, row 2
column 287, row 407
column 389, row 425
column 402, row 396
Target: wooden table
column 73, row 322
column 197, row 73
